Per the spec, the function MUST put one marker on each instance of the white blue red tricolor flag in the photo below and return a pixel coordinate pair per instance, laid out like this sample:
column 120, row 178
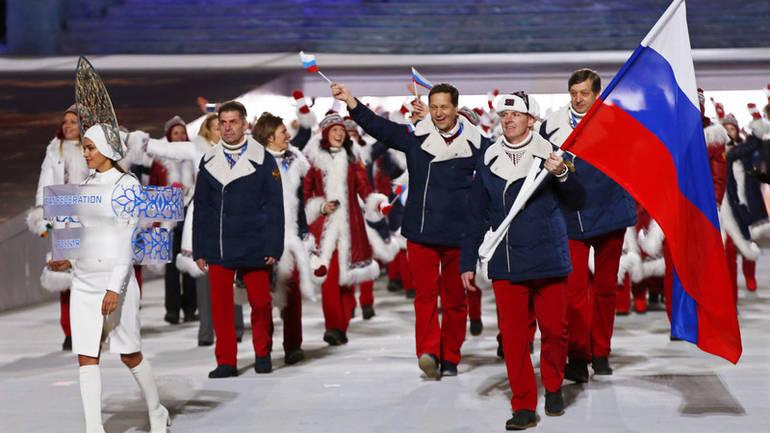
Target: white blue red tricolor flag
column 420, row 80
column 645, row 132
column 308, row 62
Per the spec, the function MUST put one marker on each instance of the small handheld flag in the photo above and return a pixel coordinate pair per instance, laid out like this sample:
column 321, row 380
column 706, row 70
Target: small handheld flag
column 310, row 65
column 420, row 80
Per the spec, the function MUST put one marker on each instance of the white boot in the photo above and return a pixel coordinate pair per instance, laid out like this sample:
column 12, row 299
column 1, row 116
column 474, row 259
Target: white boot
column 159, row 418
column 91, row 394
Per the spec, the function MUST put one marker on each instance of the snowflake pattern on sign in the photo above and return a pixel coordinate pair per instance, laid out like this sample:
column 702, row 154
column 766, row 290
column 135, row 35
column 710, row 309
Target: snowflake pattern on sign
column 151, row 245
column 148, row 203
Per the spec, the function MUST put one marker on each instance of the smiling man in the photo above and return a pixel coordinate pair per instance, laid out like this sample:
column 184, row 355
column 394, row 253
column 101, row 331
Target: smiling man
column 600, row 225
column 441, row 156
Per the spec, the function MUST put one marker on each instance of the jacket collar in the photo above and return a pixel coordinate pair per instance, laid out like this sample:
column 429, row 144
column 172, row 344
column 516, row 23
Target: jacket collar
column 435, row 145
column 500, row 163
column 216, row 163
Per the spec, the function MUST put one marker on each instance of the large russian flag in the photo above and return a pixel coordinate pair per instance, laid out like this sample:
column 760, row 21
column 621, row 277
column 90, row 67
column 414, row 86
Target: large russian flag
column 645, row 132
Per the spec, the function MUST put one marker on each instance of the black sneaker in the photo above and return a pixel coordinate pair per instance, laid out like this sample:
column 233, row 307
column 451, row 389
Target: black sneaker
column 554, row 403
column 205, row 343
column 67, row 344
column 429, row 365
column 171, row 318
column 223, row 371
column 395, row 286
column 334, row 337
column 521, row 419
column 263, row 364
column 476, row 327
column 294, row 356
column 448, row 368
column 576, row 370
column 410, row 293
column 367, row 311
column 601, row 366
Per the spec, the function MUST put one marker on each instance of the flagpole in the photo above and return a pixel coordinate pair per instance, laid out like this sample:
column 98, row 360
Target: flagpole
column 325, row 77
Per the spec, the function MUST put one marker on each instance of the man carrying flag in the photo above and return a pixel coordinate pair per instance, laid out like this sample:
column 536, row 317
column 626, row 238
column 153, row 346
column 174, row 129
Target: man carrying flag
column 441, row 157
column 600, row 224
column 652, row 103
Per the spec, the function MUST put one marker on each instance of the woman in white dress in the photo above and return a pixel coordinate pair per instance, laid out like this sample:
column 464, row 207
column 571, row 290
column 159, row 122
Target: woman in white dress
column 104, row 304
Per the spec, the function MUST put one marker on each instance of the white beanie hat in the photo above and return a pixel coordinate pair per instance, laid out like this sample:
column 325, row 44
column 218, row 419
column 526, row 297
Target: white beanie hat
column 96, row 133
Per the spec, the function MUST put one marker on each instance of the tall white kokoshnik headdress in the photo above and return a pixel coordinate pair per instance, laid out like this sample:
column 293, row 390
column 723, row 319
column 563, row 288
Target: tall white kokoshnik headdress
column 97, row 116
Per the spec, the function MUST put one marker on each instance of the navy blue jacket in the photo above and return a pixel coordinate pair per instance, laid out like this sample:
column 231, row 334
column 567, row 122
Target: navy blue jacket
column 608, row 207
column 536, row 245
column 440, row 175
column 238, row 218
column 754, row 210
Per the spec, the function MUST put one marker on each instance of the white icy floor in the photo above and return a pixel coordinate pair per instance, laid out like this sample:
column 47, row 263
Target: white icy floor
column 373, row 384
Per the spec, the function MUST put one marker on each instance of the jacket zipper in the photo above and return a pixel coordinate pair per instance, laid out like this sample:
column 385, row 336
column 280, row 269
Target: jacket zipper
column 425, row 197
column 221, row 218
column 507, row 253
column 580, row 222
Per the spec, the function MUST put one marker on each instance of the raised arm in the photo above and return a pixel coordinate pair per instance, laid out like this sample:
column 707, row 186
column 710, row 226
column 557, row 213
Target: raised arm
column 390, row 133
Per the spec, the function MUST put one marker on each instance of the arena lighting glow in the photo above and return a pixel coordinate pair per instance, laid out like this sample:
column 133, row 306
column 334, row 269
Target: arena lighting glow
column 256, row 103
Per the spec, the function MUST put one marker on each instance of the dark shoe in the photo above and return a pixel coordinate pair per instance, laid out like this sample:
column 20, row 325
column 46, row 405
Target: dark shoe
column 353, row 313
column 554, row 403
column 205, row 343
column 601, row 366
column 672, row 338
column 223, row 371
column 263, row 364
column 429, row 365
column 367, row 311
column 521, row 419
column 239, row 339
column 476, row 327
column 334, row 337
column 294, row 356
column 576, row 370
column 500, row 353
column 395, row 286
column 67, row 344
column 171, row 318
column 622, row 312
column 410, row 293
column 531, row 348
column 448, row 368
column 190, row 317
column 344, row 337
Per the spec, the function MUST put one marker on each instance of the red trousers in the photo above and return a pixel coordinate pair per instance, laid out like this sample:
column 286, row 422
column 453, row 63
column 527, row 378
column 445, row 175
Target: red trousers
column 291, row 315
column 550, row 301
column 591, row 300
column 398, row 269
column 436, row 272
column 337, row 301
column 64, row 312
column 474, row 305
column 258, row 289
column 749, row 268
column 366, row 297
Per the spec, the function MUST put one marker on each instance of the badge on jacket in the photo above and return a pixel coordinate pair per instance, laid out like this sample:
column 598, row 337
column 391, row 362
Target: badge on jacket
column 277, row 175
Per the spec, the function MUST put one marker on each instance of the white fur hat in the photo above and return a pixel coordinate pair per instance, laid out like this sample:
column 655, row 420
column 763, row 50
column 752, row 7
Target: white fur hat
column 518, row 101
